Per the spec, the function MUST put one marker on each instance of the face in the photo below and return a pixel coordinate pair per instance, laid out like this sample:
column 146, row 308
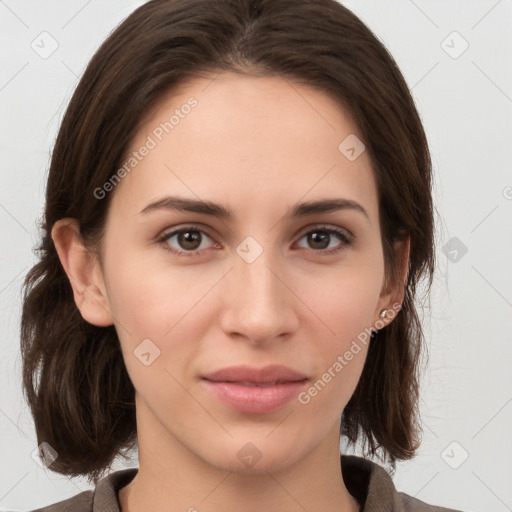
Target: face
column 192, row 292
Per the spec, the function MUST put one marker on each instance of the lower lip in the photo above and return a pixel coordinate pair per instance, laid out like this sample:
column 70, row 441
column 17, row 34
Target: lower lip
column 255, row 399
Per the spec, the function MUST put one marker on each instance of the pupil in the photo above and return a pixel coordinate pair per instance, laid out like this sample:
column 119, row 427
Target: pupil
column 189, row 239
column 322, row 239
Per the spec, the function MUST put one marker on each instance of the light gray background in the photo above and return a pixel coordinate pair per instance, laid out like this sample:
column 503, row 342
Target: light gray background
column 466, row 104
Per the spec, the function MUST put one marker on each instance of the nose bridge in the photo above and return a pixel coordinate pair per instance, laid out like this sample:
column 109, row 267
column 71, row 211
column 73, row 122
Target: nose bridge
column 259, row 281
column 260, row 305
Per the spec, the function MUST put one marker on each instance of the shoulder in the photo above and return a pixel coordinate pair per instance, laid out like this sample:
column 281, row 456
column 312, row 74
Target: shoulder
column 372, row 486
column 409, row 504
column 103, row 498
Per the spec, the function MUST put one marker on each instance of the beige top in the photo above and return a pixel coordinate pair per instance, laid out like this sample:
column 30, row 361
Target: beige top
column 368, row 482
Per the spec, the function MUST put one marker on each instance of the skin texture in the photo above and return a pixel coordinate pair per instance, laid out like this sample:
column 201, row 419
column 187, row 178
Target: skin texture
column 256, row 146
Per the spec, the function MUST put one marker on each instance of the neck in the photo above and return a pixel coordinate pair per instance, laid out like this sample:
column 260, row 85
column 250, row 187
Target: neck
column 172, row 478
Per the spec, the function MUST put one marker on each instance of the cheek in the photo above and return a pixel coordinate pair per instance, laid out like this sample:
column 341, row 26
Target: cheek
column 149, row 298
column 346, row 306
column 169, row 306
column 340, row 357
column 344, row 300
column 155, row 335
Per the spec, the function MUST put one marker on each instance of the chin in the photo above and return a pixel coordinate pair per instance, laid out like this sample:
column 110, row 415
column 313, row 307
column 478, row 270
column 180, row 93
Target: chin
column 252, row 458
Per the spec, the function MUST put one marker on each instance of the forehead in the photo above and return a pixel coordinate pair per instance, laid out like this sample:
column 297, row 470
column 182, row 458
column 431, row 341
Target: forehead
column 247, row 141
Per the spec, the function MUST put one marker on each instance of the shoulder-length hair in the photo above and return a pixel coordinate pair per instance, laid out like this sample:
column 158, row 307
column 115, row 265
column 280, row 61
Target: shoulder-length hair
column 74, row 376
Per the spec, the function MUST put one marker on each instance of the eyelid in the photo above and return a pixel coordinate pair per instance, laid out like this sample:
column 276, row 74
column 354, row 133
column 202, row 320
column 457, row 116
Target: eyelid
column 327, row 227
column 168, row 232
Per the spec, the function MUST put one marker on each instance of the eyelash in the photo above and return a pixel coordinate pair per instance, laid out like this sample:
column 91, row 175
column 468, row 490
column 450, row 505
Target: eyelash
column 346, row 239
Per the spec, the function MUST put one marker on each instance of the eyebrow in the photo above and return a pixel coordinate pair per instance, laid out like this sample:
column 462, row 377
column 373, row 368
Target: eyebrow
column 219, row 211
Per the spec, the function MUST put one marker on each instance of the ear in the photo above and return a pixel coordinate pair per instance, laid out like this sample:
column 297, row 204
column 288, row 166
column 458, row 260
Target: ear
column 84, row 273
column 393, row 288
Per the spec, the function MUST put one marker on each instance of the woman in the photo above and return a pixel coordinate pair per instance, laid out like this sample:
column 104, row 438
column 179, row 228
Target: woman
column 238, row 213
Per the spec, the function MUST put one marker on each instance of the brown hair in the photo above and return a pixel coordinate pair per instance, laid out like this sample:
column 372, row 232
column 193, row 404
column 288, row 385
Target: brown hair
column 74, row 375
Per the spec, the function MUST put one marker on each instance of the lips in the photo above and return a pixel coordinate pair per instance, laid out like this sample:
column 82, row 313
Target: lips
column 255, row 390
column 246, row 375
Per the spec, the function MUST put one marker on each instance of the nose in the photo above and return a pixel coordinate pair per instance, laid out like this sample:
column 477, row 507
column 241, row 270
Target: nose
column 258, row 301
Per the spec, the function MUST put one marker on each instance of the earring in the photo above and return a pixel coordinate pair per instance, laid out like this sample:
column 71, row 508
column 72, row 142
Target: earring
column 383, row 313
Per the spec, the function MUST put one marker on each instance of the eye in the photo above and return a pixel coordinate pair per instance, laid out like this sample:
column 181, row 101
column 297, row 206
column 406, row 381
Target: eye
column 192, row 241
column 187, row 241
column 320, row 239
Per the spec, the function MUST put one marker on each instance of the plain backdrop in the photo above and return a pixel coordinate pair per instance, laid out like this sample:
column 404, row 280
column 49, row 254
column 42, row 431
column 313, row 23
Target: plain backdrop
column 456, row 57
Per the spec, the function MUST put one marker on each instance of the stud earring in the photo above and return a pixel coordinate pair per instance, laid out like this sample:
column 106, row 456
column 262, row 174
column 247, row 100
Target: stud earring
column 383, row 313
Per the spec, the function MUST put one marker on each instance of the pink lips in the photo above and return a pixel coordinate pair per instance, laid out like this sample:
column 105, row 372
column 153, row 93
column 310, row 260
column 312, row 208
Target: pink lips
column 255, row 390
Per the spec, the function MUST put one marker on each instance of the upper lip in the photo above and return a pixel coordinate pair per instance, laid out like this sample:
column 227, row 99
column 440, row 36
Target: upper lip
column 244, row 373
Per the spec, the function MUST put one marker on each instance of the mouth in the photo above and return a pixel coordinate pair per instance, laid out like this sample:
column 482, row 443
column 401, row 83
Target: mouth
column 247, row 375
column 255, row 390
column 260, row 384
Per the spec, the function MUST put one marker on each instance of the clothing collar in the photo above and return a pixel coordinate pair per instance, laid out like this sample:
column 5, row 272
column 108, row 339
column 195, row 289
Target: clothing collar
column 367, row 481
